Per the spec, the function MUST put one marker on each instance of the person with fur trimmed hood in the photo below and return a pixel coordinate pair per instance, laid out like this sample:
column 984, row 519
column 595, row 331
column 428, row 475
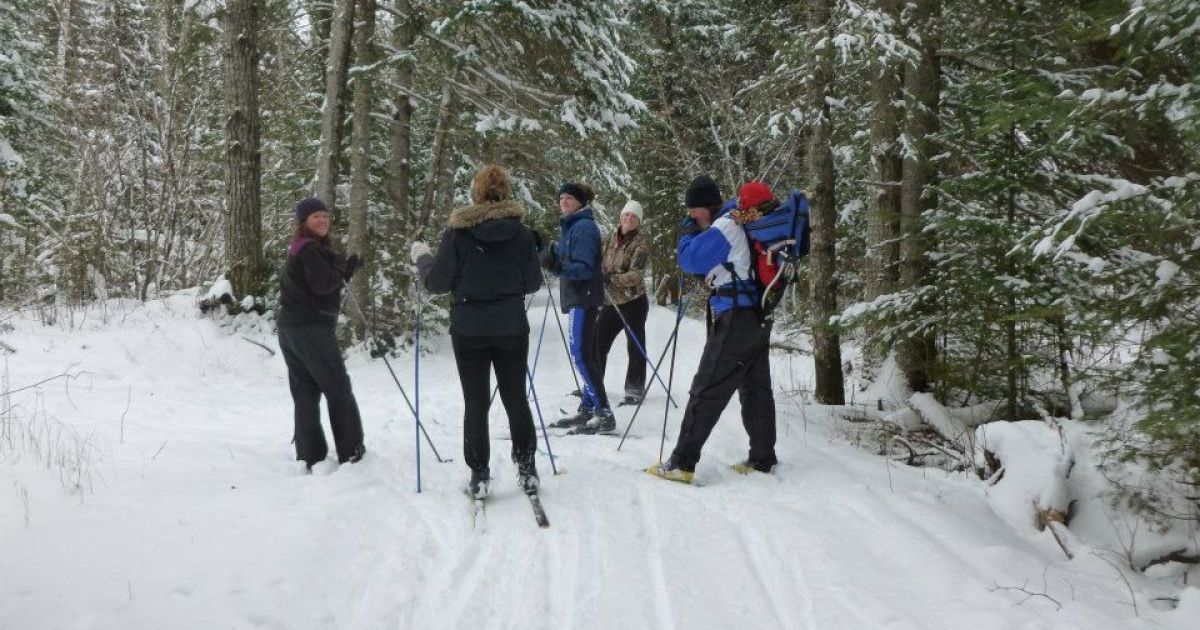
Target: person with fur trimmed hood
column 575, row 258
column 487, row 261
column 310, row 298
column 624, row 267
column 735, row 356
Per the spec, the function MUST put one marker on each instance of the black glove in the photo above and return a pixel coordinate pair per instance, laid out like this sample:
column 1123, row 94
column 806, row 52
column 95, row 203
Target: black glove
column 689, row 226
column 538, row 243
column 353, row 263
column 549, row 257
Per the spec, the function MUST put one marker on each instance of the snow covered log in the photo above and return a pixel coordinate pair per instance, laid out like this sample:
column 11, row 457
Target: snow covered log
column 1031, row 482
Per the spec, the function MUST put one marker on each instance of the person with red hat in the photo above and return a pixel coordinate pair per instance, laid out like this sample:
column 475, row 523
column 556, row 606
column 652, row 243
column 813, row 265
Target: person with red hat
column 714, row 246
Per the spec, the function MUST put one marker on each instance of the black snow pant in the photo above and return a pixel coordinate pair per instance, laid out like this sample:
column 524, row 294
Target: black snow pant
column 476, row 357
column 608, row 326
column 315, row 367
column 735, row 357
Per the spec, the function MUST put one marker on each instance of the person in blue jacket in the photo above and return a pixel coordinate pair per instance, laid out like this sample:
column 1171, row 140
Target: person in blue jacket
column 735, row 357
column 575, row 259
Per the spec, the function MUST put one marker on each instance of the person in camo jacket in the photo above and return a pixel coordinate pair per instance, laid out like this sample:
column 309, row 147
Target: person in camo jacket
column 624, row 268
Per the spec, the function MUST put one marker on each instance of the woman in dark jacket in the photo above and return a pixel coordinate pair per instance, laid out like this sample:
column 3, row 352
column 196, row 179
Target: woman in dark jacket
column 487, row 262
column 575, row 258
column 310, row 299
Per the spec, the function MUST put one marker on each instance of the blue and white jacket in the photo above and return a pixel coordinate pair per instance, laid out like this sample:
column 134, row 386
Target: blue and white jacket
column 719, row 254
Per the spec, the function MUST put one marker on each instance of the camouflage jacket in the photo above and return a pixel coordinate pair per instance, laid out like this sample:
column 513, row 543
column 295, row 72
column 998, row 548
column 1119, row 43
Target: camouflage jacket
column 624, row 264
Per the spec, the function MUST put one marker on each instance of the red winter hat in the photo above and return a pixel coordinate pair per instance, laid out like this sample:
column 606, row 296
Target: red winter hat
column 753, row 194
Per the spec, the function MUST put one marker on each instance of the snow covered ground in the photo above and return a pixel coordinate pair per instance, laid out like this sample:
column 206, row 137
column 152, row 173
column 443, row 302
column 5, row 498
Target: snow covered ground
column 190, row 513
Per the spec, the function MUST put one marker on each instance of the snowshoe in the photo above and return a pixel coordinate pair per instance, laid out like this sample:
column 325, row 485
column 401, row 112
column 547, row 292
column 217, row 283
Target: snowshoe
column 671, row 472
column 749, row 466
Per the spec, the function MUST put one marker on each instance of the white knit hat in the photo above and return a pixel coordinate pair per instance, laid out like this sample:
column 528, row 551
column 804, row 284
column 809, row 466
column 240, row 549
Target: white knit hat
column 634, row 208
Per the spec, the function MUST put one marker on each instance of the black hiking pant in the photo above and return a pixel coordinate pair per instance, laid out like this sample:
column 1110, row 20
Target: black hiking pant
column 315, row 367
column 476, row 357
column 608, row 326
column 735, row 358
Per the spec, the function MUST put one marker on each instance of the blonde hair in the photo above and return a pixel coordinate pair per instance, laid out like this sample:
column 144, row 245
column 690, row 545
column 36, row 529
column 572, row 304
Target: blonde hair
column 491, row 183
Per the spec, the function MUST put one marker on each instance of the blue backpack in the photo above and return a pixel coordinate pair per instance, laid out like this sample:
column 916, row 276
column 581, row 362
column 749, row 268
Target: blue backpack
column 778, row 240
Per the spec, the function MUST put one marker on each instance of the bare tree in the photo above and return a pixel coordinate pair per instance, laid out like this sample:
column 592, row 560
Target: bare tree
column 360, row 163
column 921, row 86
column 400, row 184
column 243, row 233
column 883, row 251
column 827, row 353
column 341, row 32
column 439, row 159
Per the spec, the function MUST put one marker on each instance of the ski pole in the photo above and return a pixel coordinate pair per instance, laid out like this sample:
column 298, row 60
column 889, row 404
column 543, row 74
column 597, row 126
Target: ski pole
column 561, row 333
column 680, row 308
column 541, row 421
column 671, row 375
column 396, row 379
column 638, row 344
column 538, row 353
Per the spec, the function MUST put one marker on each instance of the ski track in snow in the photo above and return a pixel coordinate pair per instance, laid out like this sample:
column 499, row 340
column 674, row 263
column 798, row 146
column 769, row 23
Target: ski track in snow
column 193, row 514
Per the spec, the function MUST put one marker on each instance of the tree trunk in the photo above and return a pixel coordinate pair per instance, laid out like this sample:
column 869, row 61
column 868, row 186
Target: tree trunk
column 882, row 247
column 827, row 353
column 243, row 233
column 438, row 160
column 915, row 353
column 360, row 163
column 335, row 90
column 400, row 186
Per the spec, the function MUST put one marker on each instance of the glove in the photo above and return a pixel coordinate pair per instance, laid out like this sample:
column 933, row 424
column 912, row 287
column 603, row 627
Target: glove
column 549, row 257
column 538, row 243
column 353, row 264
column 417, row 250
column 689, row 227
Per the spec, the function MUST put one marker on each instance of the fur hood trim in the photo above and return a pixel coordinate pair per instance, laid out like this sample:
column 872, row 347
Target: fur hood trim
column 472, row 215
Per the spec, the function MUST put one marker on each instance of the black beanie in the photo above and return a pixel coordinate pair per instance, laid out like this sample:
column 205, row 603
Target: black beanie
column 703, row 193
column 309, row 206
column 576, row 191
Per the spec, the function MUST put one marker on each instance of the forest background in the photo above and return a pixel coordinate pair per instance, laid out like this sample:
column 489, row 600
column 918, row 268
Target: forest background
column 1004, row 193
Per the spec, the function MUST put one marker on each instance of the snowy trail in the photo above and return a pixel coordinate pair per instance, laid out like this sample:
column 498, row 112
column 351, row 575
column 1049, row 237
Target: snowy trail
column 194, row 516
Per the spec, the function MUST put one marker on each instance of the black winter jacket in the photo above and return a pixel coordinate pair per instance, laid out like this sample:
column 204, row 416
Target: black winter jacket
column 487, row 263
column 310, row 292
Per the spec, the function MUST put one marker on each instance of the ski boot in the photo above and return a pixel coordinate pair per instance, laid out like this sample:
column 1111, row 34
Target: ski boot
column 632, row 397
column 671, row 471
column 581, row 417
column 602, row 422
column 763, row 465
column 527, row 476
column 481, row 483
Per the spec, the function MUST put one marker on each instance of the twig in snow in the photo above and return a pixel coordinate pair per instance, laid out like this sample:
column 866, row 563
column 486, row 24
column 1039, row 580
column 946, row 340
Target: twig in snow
column 264, row 347
column 7, row 348
column 1029, row 594
column 65, row 374
column 128, row 398
column 1132, row 597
